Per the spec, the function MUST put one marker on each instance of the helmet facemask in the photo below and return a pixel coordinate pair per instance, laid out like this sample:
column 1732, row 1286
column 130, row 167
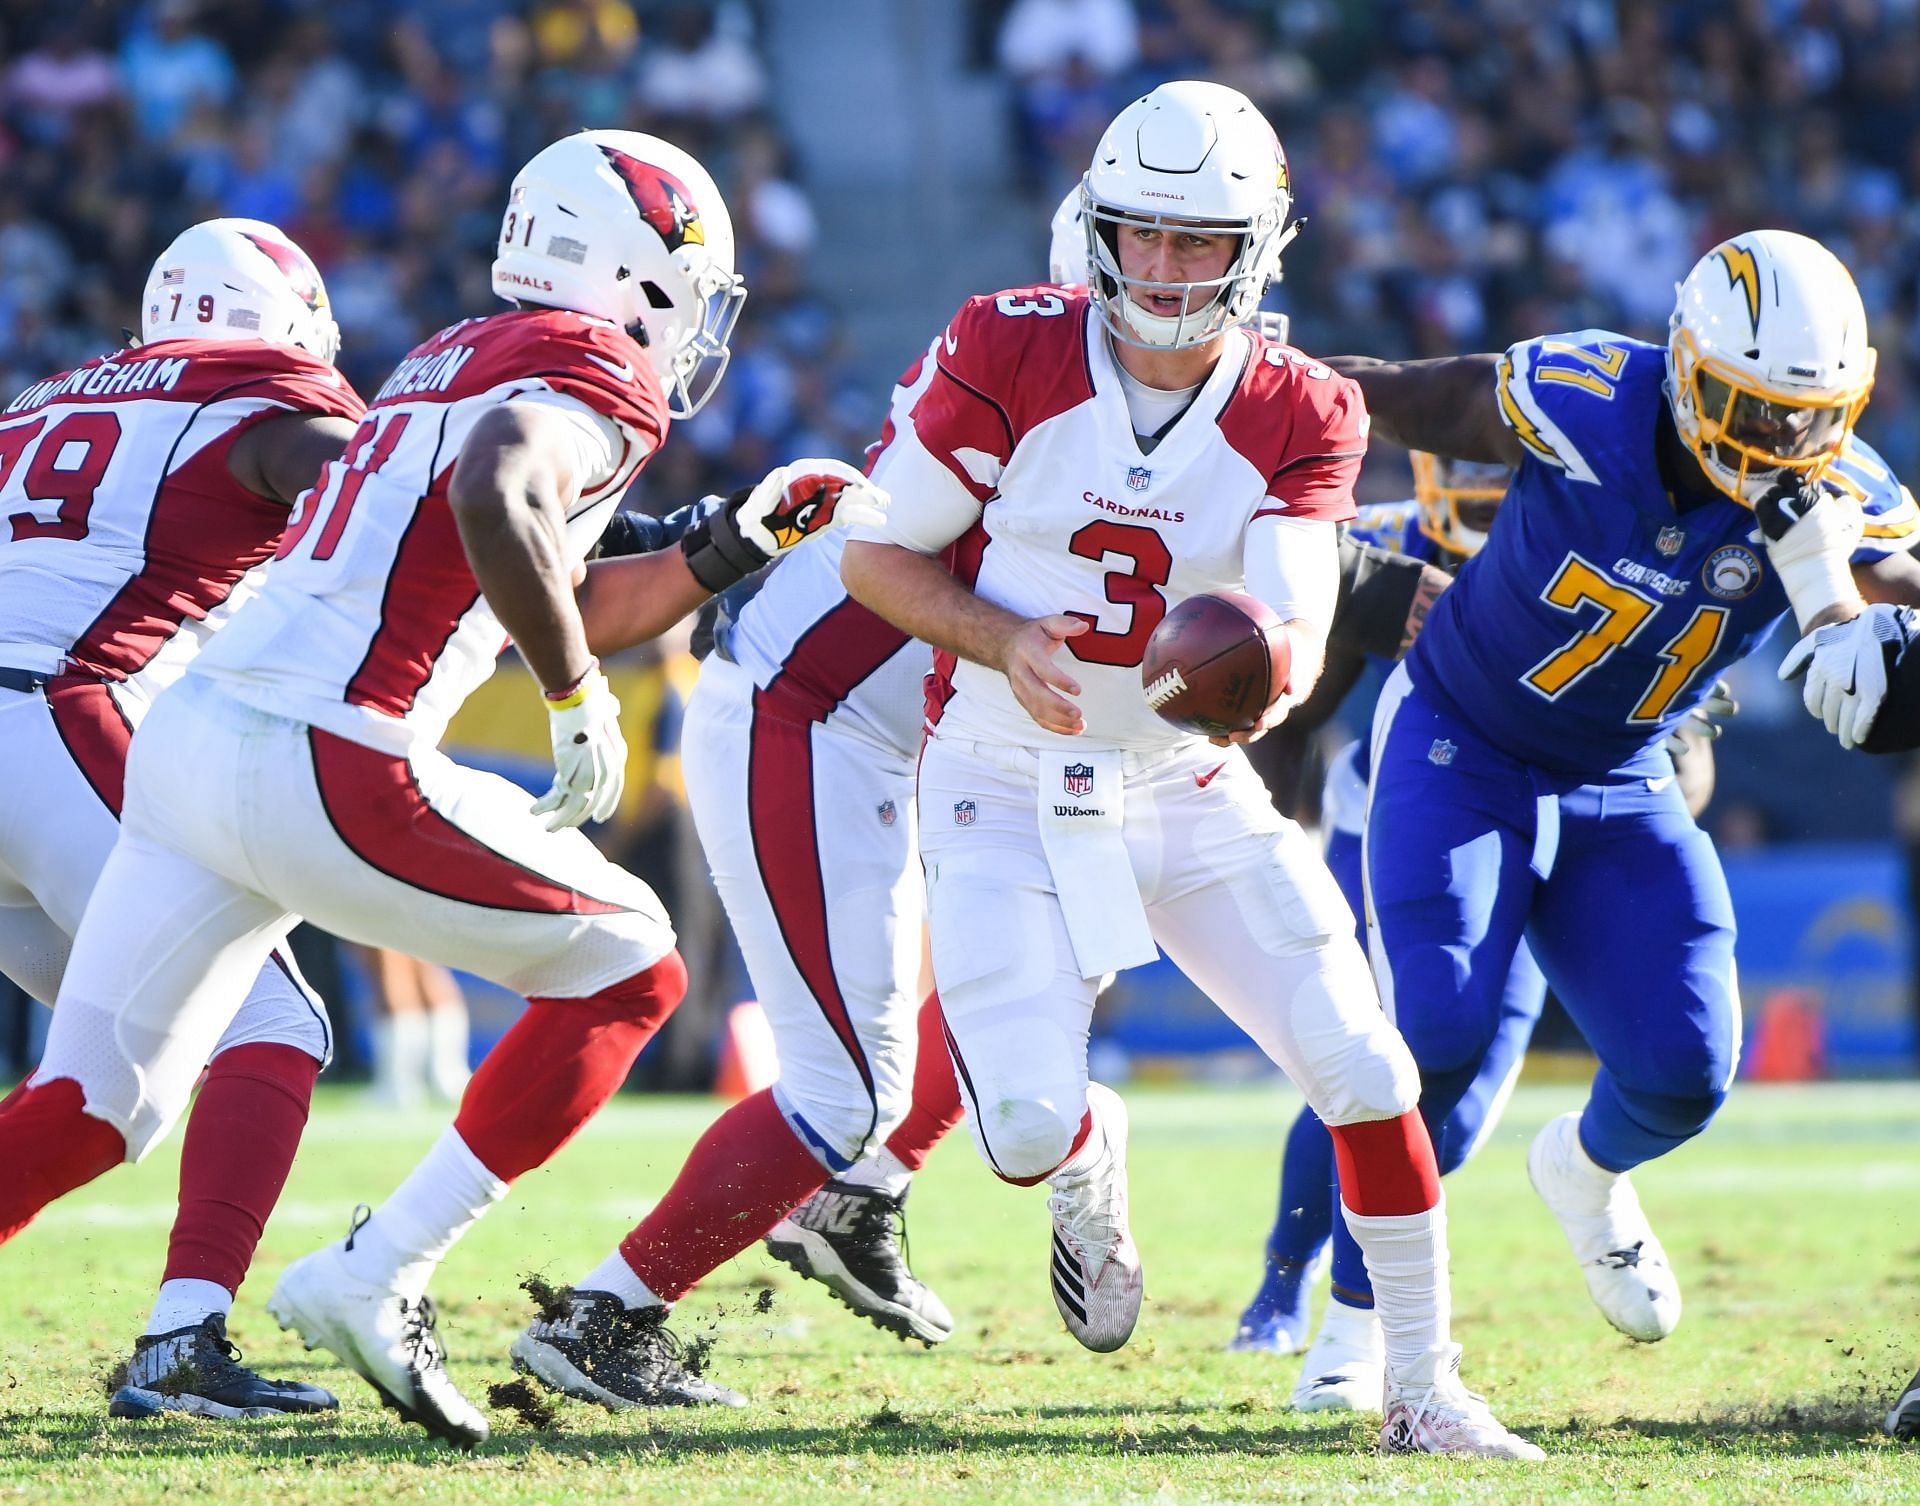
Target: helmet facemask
column 1745, row 433
column 1457, row 500
column 1233, row 297
column 701, row 361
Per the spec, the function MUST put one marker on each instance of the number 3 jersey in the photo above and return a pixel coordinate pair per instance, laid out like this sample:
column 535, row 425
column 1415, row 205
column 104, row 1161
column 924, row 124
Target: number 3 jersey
column 371, row 624
column 124, row 537
column 1013, row 444
column 1599, row 612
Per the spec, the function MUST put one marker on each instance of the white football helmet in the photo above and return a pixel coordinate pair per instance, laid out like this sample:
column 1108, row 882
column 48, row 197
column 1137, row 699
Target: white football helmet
column 1067, row 242
column 238, row 280
column 1194, row 155
column 1768, row 364
column 627, row 227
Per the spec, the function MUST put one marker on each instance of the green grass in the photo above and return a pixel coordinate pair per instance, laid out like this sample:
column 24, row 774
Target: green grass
column 1794, row 1225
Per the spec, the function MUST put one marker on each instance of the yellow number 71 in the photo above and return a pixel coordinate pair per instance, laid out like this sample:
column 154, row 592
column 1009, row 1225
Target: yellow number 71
column 1623, row 612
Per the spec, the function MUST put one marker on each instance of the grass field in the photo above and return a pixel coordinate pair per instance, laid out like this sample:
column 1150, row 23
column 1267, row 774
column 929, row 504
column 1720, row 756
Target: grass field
column 1794, row 1225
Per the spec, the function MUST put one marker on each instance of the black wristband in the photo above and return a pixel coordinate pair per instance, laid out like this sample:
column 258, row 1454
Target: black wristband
column 718, row 554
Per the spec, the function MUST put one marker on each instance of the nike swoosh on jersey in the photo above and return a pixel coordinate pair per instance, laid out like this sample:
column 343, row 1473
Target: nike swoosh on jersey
column 1203, row 780
column 622, row 372
column 953, row 345
column 1656, row 785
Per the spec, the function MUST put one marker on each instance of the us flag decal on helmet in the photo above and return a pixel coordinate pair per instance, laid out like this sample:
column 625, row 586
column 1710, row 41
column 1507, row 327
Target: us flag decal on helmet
column 662, row 199
column 298, row 271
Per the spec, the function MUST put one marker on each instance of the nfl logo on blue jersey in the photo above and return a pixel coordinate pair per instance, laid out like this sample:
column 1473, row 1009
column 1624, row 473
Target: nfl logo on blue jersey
column 1442, row 752
column 1669, row 541
column 964, row 812
column 1139, row 478
column 1079, row 778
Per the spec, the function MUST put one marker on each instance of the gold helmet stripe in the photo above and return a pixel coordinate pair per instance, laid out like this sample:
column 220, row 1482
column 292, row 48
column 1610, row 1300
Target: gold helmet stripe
column 1743, row 272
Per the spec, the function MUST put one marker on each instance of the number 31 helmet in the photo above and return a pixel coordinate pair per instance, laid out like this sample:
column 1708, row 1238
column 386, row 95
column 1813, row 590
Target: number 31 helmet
column 627, row 227
column 238, row 279
column 1768, row 364
column 1198, row 156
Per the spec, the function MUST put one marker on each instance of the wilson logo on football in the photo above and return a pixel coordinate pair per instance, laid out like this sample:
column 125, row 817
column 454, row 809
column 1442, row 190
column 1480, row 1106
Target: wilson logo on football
column 1164, row 689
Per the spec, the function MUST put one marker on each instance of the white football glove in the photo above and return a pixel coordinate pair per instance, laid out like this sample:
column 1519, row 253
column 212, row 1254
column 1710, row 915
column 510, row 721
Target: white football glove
column 589, row 754
column 798, row 500
column 1846, row 668
column 1701, row 720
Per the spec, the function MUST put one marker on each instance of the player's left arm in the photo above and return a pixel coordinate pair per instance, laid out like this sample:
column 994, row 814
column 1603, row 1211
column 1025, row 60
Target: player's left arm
column 1893, row 579
column 278, row 458
column 1448, row 406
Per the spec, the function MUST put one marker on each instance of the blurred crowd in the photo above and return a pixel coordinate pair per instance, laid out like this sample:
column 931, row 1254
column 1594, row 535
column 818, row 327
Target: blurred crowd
column 1480, row 170
column 381, row 134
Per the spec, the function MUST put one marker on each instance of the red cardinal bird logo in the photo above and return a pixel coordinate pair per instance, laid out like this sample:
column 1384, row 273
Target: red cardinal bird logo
column 662, row 199
column 298, row 271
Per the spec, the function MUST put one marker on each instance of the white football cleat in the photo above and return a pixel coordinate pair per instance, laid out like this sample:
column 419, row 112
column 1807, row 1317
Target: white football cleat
column 1626, row 1268
column 1094, row 1268
column 1432, row 1412
column 1346, row 1368
column 381, row 1336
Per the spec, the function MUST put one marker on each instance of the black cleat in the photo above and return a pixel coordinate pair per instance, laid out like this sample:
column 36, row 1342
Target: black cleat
column 853, row 1240
column 605, row 1352
column 197, row 1370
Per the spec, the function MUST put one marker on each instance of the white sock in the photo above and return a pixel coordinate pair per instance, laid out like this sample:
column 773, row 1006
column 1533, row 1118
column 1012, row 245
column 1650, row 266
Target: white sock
column 447, row 1070
column 1407, row 1261
column 186, row 1302
column 412, row 1230
column 884, row 1172
column 400, row 1050
column 614, row 1275
column 1089, row 1160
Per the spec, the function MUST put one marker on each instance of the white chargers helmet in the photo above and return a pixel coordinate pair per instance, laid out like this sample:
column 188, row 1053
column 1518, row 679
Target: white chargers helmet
column 238, row 279
column 1198, row 156
column 1768, row 364
column 627, row 227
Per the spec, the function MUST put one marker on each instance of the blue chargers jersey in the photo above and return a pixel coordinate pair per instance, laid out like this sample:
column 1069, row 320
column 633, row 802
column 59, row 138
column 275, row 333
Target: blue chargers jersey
column 1598, row 614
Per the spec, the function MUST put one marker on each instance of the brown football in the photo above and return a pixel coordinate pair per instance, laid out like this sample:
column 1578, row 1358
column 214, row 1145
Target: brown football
column 1216, row 662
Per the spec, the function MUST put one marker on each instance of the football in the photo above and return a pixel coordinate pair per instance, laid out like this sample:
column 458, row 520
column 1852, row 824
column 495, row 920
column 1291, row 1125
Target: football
column 1216, row 662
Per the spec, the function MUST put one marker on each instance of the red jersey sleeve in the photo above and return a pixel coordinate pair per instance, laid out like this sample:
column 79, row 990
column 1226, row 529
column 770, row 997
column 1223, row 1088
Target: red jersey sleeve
column 307, row 385
column 606, row 370
column 1006, row 363
column 1305, row 427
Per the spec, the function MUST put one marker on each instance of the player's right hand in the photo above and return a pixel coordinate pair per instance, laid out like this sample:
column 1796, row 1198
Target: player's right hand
column 589, row 753
column 1040, row 685
column 805, row 497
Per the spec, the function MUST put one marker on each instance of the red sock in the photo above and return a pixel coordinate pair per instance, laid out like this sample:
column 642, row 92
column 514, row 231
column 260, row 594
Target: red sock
column 50, row 1145
column 241, row 1136
column 1387, row 1166
column 936, row 1092
column 562, row 1060
column 745, row 1174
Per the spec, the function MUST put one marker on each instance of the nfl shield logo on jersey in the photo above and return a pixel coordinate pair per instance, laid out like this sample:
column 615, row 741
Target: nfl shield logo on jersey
column 1669, row 540
column 1139, row 478
column 1442, row 752
column 1079, row 779
column 889, row 813
column 963, row 812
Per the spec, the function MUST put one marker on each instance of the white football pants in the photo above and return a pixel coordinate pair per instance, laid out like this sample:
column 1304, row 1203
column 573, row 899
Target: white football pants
column 809, row 830
column 1235, row 894
column 238, row 822
column 65, row 753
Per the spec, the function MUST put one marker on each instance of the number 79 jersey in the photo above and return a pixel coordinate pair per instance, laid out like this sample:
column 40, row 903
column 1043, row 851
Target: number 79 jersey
column 1012, row 443
column 1599, row 612
column 371, row 624
column 124, row 537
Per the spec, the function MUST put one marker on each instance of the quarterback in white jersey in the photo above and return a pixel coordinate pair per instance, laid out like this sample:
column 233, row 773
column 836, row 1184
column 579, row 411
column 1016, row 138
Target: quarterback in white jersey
column 293, row 771
column 140, row 495
column 1092, row 461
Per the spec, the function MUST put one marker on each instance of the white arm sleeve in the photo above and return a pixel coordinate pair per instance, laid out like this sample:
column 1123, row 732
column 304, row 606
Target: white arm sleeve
column 1293, row 565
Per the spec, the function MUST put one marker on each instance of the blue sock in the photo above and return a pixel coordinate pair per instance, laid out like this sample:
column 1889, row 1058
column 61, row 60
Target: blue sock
column 1622, row 1127
column 1305, row 1217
